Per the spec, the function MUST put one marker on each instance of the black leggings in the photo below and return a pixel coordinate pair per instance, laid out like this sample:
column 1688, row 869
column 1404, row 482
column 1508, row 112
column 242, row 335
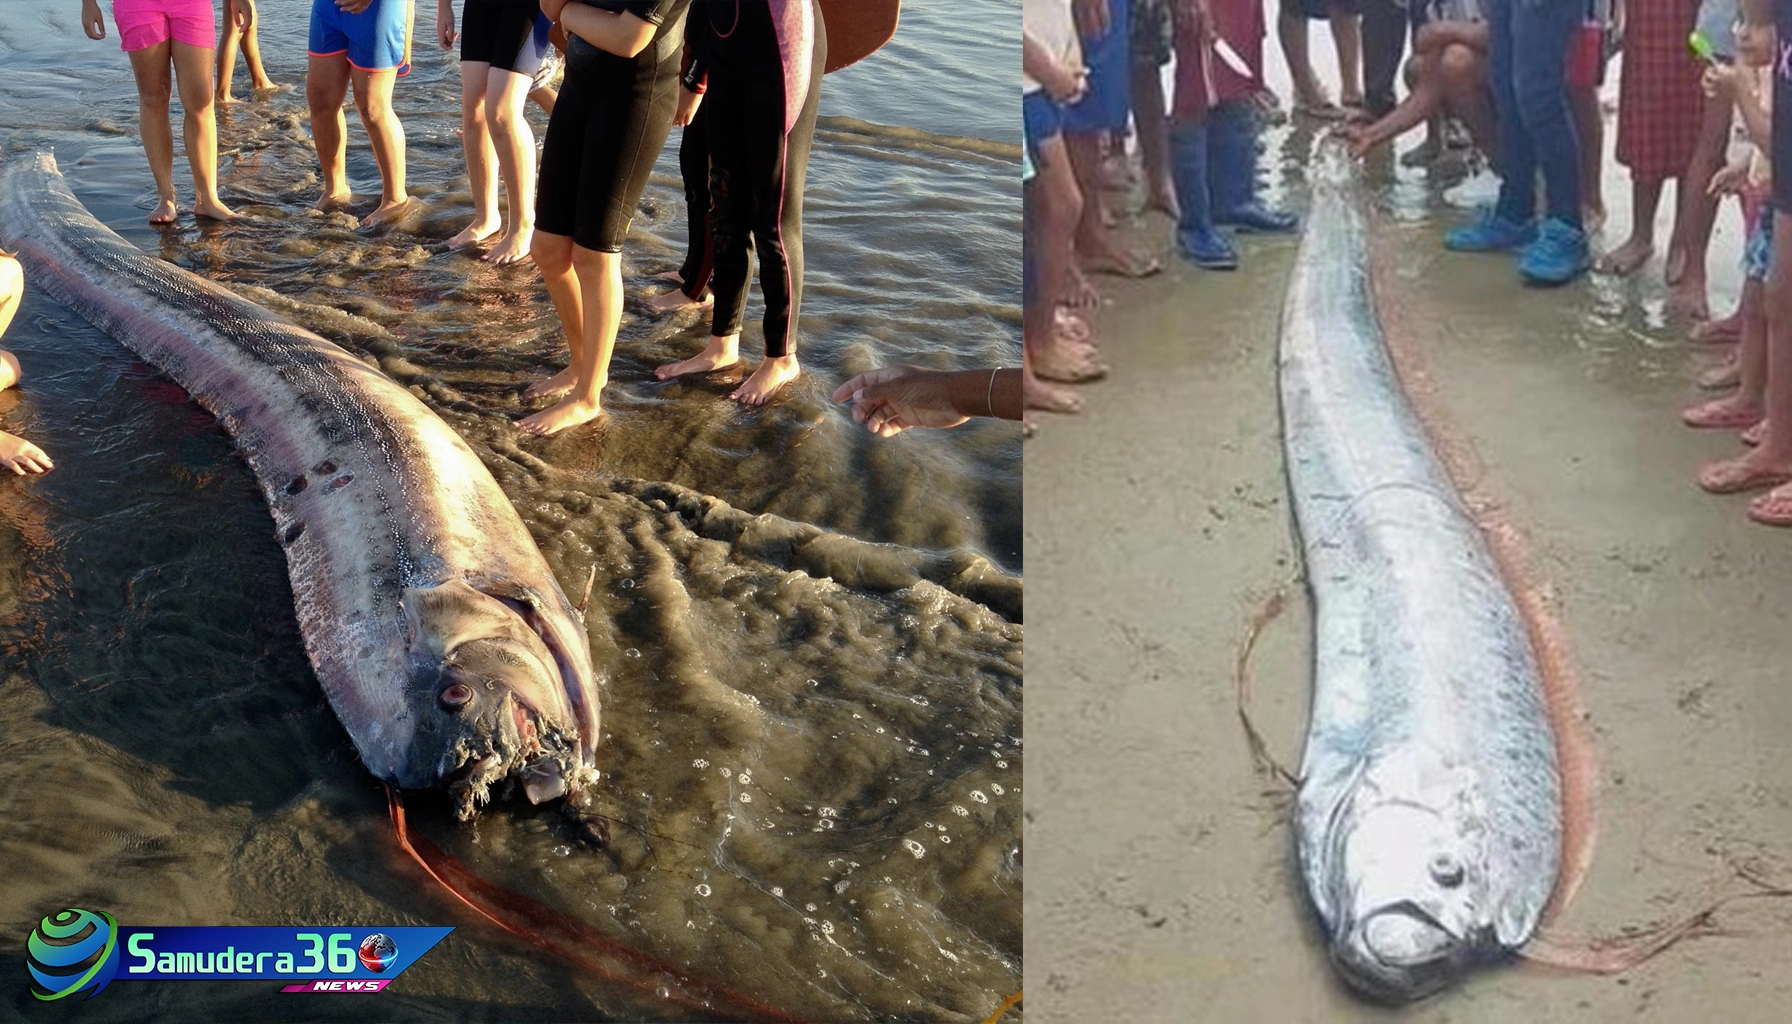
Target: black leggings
column 693, row 164
column 613, row 115
column 756, row 173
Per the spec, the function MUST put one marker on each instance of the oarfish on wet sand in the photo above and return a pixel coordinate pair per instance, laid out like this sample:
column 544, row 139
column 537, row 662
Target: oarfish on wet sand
column 439, row 634
column 1429, row 817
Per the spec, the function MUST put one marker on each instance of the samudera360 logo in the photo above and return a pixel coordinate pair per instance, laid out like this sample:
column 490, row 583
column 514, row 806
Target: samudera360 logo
column 81, row 950
column 72, row 950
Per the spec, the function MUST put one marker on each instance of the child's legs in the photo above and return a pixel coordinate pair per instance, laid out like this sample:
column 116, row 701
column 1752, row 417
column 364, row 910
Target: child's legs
column 1291, row 33
column 12, row 289
column 228, row 37
column 505, row 94
column 1060, row 208
column 476, row 142
column 1698, row 208
column 258, row 75
column 1752, row 356
column 1463, row 73
column 1347, row 39
column 553, row 256
column 193, row 71
column 153, row 68
column 1777, row 447
column 600, row 286
column 326, row 86
column 1589, row 125
column 373, row 98
column 1148, row 117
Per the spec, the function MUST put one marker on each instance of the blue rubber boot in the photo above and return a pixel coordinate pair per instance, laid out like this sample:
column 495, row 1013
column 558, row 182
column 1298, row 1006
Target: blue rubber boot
column 1200, row 240
column 1232, row 152
column 1558, row 256
column 1492, row 233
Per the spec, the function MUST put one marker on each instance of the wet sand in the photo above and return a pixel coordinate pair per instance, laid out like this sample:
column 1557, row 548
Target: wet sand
column 1163, row 867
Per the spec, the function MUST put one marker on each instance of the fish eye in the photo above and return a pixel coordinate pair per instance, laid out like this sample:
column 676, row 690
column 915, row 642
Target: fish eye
column 1446, row 870
column 454, row 696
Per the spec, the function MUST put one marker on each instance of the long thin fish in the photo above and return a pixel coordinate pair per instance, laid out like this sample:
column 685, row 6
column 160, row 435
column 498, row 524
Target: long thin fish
column 437, row 631
column 1429, row 817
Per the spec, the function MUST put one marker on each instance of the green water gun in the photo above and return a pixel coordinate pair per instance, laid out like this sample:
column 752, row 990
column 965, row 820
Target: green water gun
column 1701, row 47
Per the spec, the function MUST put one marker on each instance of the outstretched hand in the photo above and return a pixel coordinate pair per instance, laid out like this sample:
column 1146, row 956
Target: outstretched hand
column 895, row 398
column 21, row 456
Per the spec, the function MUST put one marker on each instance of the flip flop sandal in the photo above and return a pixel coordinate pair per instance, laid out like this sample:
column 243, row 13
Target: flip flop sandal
column 1754, row 435
column 1772, row 509
column 1093, row 374
column 1718, row 415
column 1738, row 477
column 1716, row 332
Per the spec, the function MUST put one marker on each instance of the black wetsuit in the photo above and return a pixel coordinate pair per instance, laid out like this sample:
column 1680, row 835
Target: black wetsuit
column 693, row 164
column 510, row 35
column 756, row 165
column 608, row 126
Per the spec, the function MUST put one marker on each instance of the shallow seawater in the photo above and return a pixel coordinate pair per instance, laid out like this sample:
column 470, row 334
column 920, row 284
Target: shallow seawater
column 811, row 637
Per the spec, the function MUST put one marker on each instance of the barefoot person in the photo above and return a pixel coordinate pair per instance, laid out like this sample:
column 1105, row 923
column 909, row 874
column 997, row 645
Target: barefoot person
column 763, row 63
column 693, row 166
column 16, row 453
column 239, row 27
column 366, row 44
column 1658, row 123
column 613, row 115
column 170, row 40
column 503, row 44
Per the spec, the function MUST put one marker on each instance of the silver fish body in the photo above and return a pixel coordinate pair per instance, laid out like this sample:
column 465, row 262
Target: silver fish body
column 1428, row 823
column 437, row 630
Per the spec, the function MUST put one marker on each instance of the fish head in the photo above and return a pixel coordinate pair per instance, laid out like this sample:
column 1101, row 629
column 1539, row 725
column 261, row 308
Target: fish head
column 1411, row 900
column 489, row 699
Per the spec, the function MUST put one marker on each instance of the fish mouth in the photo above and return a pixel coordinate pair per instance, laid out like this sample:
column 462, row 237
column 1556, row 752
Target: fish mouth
column 511, row 745
column 1400, row 953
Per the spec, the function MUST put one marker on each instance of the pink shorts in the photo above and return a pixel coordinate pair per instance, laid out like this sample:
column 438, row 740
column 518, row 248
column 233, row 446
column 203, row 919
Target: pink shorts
column 144, row 23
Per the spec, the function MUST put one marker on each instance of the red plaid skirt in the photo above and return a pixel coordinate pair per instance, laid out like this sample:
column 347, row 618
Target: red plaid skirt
column 1659, row 99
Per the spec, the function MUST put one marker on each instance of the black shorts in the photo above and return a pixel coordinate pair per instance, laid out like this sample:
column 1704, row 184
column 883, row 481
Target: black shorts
column 510, row 35
column 608, row 126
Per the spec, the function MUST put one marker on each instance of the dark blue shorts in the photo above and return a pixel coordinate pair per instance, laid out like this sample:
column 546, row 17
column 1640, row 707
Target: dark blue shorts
column 1108, row 103
column 377, row 39
column 1043, row 120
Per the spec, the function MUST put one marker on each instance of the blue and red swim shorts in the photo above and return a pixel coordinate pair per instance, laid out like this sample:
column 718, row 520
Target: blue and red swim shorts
column 377, row 39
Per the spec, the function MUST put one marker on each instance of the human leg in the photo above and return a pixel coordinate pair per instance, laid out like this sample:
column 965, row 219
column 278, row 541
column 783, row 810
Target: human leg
column 476, row 146
column 506, row 92
column 373, row 99
column 153, row 68
column 193, row 71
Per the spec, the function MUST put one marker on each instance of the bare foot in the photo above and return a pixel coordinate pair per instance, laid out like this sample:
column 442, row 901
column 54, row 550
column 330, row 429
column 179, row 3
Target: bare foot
column 1626, row 259
column 1082, row 292
column 1687, row 300
column 1163, row 201
column 1751, row 471
column 558, row 384
column 474, row 233
column 718, row 354
column 331, row 201
column 675, row 299
column 1050, row 397
column 1717, row 332
column 164, row 213
column 1676, row 267
column 671, row 275
column 1728, row 374
column 388, row 210
column 21, row 456
column 512, row 248
column 214, row 209
column 223, row 98
column 773, row 373
column 569, row 413
column 1592, row 219
column 1073, row 329
column 266, row 85
column 1067, row 365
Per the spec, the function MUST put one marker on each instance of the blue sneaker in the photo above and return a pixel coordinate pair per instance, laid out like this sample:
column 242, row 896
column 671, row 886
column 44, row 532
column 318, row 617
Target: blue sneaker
column 1558, row 256
column 1492, row 233
column 1208, row 248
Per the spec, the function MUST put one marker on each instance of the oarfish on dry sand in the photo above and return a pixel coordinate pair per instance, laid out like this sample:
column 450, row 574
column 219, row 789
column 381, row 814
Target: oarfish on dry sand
column 438, row 632
column 1429, row 817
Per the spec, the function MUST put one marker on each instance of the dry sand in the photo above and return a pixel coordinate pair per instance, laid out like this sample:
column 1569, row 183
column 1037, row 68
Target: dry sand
column 1162, row 883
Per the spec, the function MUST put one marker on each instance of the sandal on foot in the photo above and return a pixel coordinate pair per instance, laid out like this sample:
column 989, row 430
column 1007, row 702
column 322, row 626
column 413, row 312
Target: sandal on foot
column 1739, row 476
column 1719, row 414
column 1754, row 435
column 1773, row 508
column 1134, row 267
